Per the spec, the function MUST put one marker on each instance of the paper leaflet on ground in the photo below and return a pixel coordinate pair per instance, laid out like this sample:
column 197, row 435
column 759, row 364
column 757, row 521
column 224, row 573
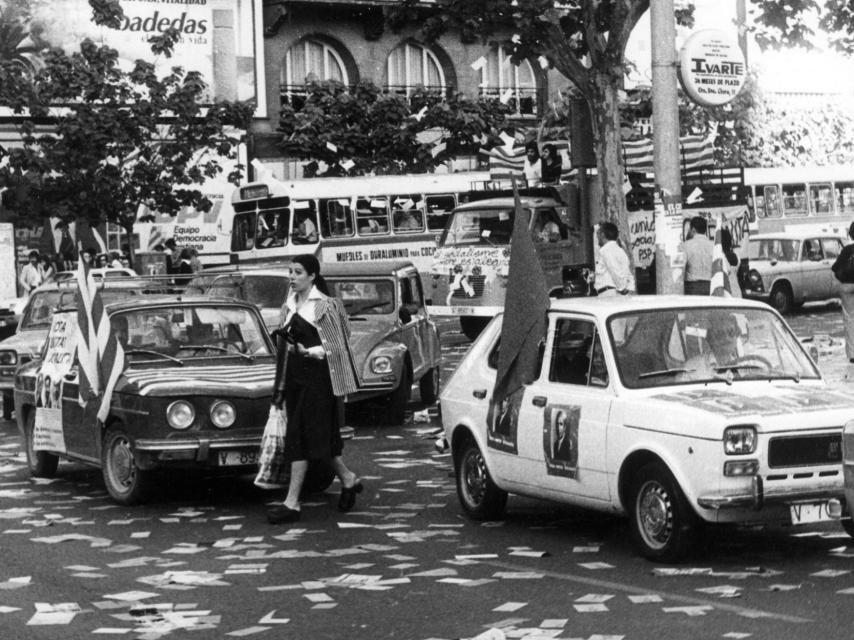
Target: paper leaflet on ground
column 50, row 383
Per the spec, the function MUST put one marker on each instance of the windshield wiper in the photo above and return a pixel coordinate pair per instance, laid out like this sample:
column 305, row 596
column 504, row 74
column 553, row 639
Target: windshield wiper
column 216, row 347
column 359, row 310
column 664, row 372
column 154, row 353
column 736, row 367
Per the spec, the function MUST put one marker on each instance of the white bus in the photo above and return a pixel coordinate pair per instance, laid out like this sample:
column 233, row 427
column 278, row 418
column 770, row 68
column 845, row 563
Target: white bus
column 812, row 199
column 360, row 219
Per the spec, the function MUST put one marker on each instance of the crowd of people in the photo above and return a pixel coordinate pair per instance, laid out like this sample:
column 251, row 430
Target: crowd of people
column 41, row 268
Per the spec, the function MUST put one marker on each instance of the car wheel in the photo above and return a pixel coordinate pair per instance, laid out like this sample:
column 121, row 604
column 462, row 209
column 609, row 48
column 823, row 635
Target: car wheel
column 318, row 477
column 480, row 498
column 41, row 463
column 781, row 298
column 8, row 405
column 663, row 524
column 399, row 398
column 429, row 386
column 125, row 481
column 472, row 325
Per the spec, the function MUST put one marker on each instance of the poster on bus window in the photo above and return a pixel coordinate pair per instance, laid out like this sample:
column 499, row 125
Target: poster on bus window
column 50, row 382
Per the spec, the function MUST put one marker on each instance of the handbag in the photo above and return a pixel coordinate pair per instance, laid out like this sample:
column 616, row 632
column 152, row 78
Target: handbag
column 273, row 471
column 844, row 269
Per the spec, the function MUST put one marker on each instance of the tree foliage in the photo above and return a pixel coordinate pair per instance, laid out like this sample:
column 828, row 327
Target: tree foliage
column 98, row 140
column 361, row 130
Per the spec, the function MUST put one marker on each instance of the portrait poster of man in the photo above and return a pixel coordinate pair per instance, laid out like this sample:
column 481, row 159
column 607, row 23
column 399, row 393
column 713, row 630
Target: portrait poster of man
column 560, row 440
column 502, row 422
column 50, row 380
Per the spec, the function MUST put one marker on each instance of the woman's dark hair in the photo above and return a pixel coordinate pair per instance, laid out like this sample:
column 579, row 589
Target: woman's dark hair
column 726, row 245
column 312, row 268
column 851, row 231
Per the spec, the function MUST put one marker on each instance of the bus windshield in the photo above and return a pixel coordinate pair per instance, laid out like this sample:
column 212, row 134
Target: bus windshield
column 480, row 226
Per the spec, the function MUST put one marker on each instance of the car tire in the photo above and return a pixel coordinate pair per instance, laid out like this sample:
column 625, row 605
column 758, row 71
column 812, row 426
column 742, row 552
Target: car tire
column 428, row 386
column 125, row 482
column 318, row 477
column 480, row 498
column 41, row 463
column 8, row 405
column 664, row 527
column 399, row 399
column 781, row 298
column 471, row 326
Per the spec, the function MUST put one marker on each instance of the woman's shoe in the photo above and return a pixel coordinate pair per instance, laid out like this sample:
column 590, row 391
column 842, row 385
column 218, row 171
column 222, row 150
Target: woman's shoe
column 280, row 514
column 348, row 496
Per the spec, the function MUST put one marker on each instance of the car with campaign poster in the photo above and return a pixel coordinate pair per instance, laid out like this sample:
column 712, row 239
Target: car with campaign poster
column 678, row 412
column 192, row 392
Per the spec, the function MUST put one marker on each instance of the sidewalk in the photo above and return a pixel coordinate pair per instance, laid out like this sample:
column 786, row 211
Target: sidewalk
column 832, row 361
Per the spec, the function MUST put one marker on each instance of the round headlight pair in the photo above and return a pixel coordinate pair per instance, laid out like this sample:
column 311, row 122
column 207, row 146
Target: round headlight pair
column 181, row 414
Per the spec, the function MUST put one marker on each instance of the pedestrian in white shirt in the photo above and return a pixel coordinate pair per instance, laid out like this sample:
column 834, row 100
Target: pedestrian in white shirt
column 31, row 276
column 613, row 271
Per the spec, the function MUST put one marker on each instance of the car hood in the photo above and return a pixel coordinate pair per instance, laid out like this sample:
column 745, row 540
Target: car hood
column 26, row 342
column 231, row 380
column 770, row 405
column 366, row 334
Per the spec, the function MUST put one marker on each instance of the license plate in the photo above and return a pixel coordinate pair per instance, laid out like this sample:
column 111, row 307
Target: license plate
column 237, row 458
column 809, row 512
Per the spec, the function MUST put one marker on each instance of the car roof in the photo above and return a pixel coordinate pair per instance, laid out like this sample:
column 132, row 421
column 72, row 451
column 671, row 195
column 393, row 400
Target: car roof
column 526, row 201
column 610, row 305
column 266, row 270
column 376, row 268
column 164, row 300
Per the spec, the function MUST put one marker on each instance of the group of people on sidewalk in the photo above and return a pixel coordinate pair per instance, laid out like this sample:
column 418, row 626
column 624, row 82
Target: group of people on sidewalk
column 41, row 268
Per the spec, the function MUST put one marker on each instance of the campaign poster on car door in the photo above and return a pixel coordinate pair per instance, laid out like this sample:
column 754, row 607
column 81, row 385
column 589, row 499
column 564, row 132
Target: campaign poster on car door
column 560, row 440
column 502, row 423
column 50, row 381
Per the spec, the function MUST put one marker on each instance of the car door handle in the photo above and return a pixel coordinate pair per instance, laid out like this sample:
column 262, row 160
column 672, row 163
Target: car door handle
column 539, row 401
column 480, row 394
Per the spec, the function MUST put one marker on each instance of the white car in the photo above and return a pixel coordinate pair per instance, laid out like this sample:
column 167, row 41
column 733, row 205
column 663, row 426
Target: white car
column 672, row 410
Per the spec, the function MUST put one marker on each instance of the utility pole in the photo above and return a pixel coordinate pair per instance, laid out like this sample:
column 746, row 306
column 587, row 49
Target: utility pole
column 665, row 140
column 741, row 25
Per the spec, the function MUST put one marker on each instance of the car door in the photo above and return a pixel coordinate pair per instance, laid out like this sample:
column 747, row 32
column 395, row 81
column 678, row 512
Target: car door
column 831, row 248
column 411, row 319
column 812, row 284
column 81, row 428
column 571, row 407
column 427, row 332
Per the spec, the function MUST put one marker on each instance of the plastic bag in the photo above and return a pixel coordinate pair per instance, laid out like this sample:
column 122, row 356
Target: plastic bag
column 273, row 471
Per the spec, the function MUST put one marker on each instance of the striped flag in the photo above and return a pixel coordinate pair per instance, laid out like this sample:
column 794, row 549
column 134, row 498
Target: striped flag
column 503, row 160
column 101, row 356
column 720, row 266
column 694, row 152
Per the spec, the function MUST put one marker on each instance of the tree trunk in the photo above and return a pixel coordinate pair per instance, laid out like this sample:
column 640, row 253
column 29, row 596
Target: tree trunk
column 605, row 89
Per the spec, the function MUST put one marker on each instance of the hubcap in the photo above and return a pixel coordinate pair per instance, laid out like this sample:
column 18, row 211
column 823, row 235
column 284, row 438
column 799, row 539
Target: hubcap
column 121, row 463
column 654, row 514
column 475, row 477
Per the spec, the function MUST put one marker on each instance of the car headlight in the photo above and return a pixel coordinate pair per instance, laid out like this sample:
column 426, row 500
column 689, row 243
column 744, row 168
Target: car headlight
column 739, row 440
column 381, row 364
column 180, row 414
column 223, row 414
column 8, row 357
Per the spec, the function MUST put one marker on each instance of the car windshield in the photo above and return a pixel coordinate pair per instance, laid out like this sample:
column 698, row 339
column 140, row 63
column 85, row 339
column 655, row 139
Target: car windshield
column 41, row 306
column 686, row 346
column 190, row 331
column 364, row 297
column 780, row 249
column 480, row 226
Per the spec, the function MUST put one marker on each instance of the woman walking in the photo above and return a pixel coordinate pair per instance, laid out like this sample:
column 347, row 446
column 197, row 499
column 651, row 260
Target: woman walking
column 313, row 376
column 843, row 269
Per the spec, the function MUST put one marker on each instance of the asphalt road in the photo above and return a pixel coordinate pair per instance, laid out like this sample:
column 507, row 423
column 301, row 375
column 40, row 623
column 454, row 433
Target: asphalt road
column 201, row 561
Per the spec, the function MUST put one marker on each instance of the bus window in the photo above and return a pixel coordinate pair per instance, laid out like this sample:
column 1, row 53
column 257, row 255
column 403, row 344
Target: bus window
column 794, row 200
column 439, row 209
column 272, row 230
column 407, row 213
column 336, row 218
column 243, row 232
column 845, row 197
column 305, row 221
column 771, row 200
column 480, row 226
column 820, row 200
column 372, row 216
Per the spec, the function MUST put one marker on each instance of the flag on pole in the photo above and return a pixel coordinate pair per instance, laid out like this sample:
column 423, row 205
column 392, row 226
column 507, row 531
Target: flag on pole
column 720, row 266
column 525, row 307
column 99, row 352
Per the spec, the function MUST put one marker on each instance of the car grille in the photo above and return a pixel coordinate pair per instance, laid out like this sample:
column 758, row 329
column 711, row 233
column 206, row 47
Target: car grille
column 476, row 282
column 805, row 450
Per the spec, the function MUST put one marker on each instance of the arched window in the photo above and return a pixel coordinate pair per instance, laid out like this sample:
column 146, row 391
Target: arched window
column 310, row 60
column 515, row 85
column 411, row 65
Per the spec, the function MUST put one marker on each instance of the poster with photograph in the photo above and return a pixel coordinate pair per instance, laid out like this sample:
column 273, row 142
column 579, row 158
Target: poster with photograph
column 560, row 440
column 50, row 382
column 503, row 423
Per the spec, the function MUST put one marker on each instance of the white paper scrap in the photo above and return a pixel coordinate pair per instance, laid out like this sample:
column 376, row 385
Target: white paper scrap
column 510, row 606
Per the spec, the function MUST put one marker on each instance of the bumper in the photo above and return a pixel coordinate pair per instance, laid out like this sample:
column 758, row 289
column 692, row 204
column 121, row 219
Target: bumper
column 203, row 451
column 761, row 296
column 758, row 496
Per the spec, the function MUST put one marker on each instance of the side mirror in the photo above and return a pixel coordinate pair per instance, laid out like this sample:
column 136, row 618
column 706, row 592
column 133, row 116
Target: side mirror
column 404, row 315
